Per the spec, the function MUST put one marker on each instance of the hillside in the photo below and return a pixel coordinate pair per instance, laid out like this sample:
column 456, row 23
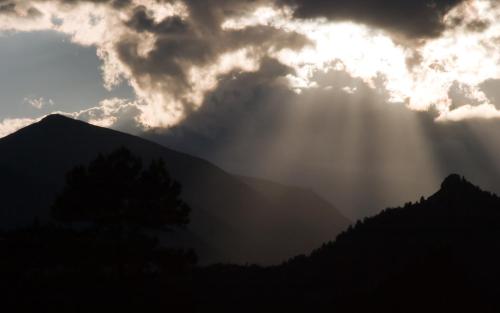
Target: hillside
column 439, row 254
column 231, row 221
column 291, row 204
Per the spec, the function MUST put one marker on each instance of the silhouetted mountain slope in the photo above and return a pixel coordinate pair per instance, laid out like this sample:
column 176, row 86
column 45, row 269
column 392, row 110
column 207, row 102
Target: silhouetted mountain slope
column 230, row 220
column 291, row 203
column 441, row 254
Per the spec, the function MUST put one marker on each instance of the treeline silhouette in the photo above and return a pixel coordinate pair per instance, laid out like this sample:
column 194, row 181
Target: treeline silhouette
column 102, row 254
column 441, row 254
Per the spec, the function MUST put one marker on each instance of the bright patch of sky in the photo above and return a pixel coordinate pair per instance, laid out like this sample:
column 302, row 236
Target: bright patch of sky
column 42, row 72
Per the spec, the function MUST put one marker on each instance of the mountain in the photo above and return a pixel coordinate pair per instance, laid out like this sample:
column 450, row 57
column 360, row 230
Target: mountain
column 293, row 204
column 440, row 254
column 231, row 220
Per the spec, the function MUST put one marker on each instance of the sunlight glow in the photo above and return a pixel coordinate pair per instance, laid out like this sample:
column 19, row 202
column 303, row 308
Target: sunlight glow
column 461, row 55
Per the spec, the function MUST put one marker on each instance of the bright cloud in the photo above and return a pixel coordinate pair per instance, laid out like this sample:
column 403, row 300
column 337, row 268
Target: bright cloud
column 174, row 53
column 10, row 125
column 461, row 56
column 38, row 103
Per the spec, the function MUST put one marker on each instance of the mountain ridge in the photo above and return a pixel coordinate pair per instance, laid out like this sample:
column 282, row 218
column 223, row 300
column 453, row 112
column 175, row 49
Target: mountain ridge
column 228, row 215
column 439, row 254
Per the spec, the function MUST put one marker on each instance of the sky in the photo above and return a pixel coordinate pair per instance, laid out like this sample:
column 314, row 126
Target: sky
column 381, row 97
column 44, row 72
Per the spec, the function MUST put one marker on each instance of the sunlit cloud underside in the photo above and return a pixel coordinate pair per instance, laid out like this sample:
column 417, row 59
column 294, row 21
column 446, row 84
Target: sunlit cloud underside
column 419, row 75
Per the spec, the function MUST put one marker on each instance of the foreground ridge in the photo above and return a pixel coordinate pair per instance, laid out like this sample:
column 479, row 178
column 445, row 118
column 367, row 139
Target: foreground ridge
column 439, row 254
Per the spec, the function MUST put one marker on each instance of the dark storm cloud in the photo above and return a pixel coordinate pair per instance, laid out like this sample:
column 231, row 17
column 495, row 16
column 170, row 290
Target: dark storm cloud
column 115, row 3
column 197, row 41
column 9, row 7
column 238, row 96
column 478, row 24
column 211, row 13
column 412, row 18
column 141, row 22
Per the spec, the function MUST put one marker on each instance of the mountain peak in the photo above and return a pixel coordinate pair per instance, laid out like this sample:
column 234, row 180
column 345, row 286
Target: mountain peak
column 60, row 122
column 456, row 189
column 453, row 181
column 55, row 117
column 50, row 126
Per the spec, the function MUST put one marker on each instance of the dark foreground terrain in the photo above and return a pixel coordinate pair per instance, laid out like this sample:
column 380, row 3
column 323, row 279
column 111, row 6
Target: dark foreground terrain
column 441, row 254
column 233, row 218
